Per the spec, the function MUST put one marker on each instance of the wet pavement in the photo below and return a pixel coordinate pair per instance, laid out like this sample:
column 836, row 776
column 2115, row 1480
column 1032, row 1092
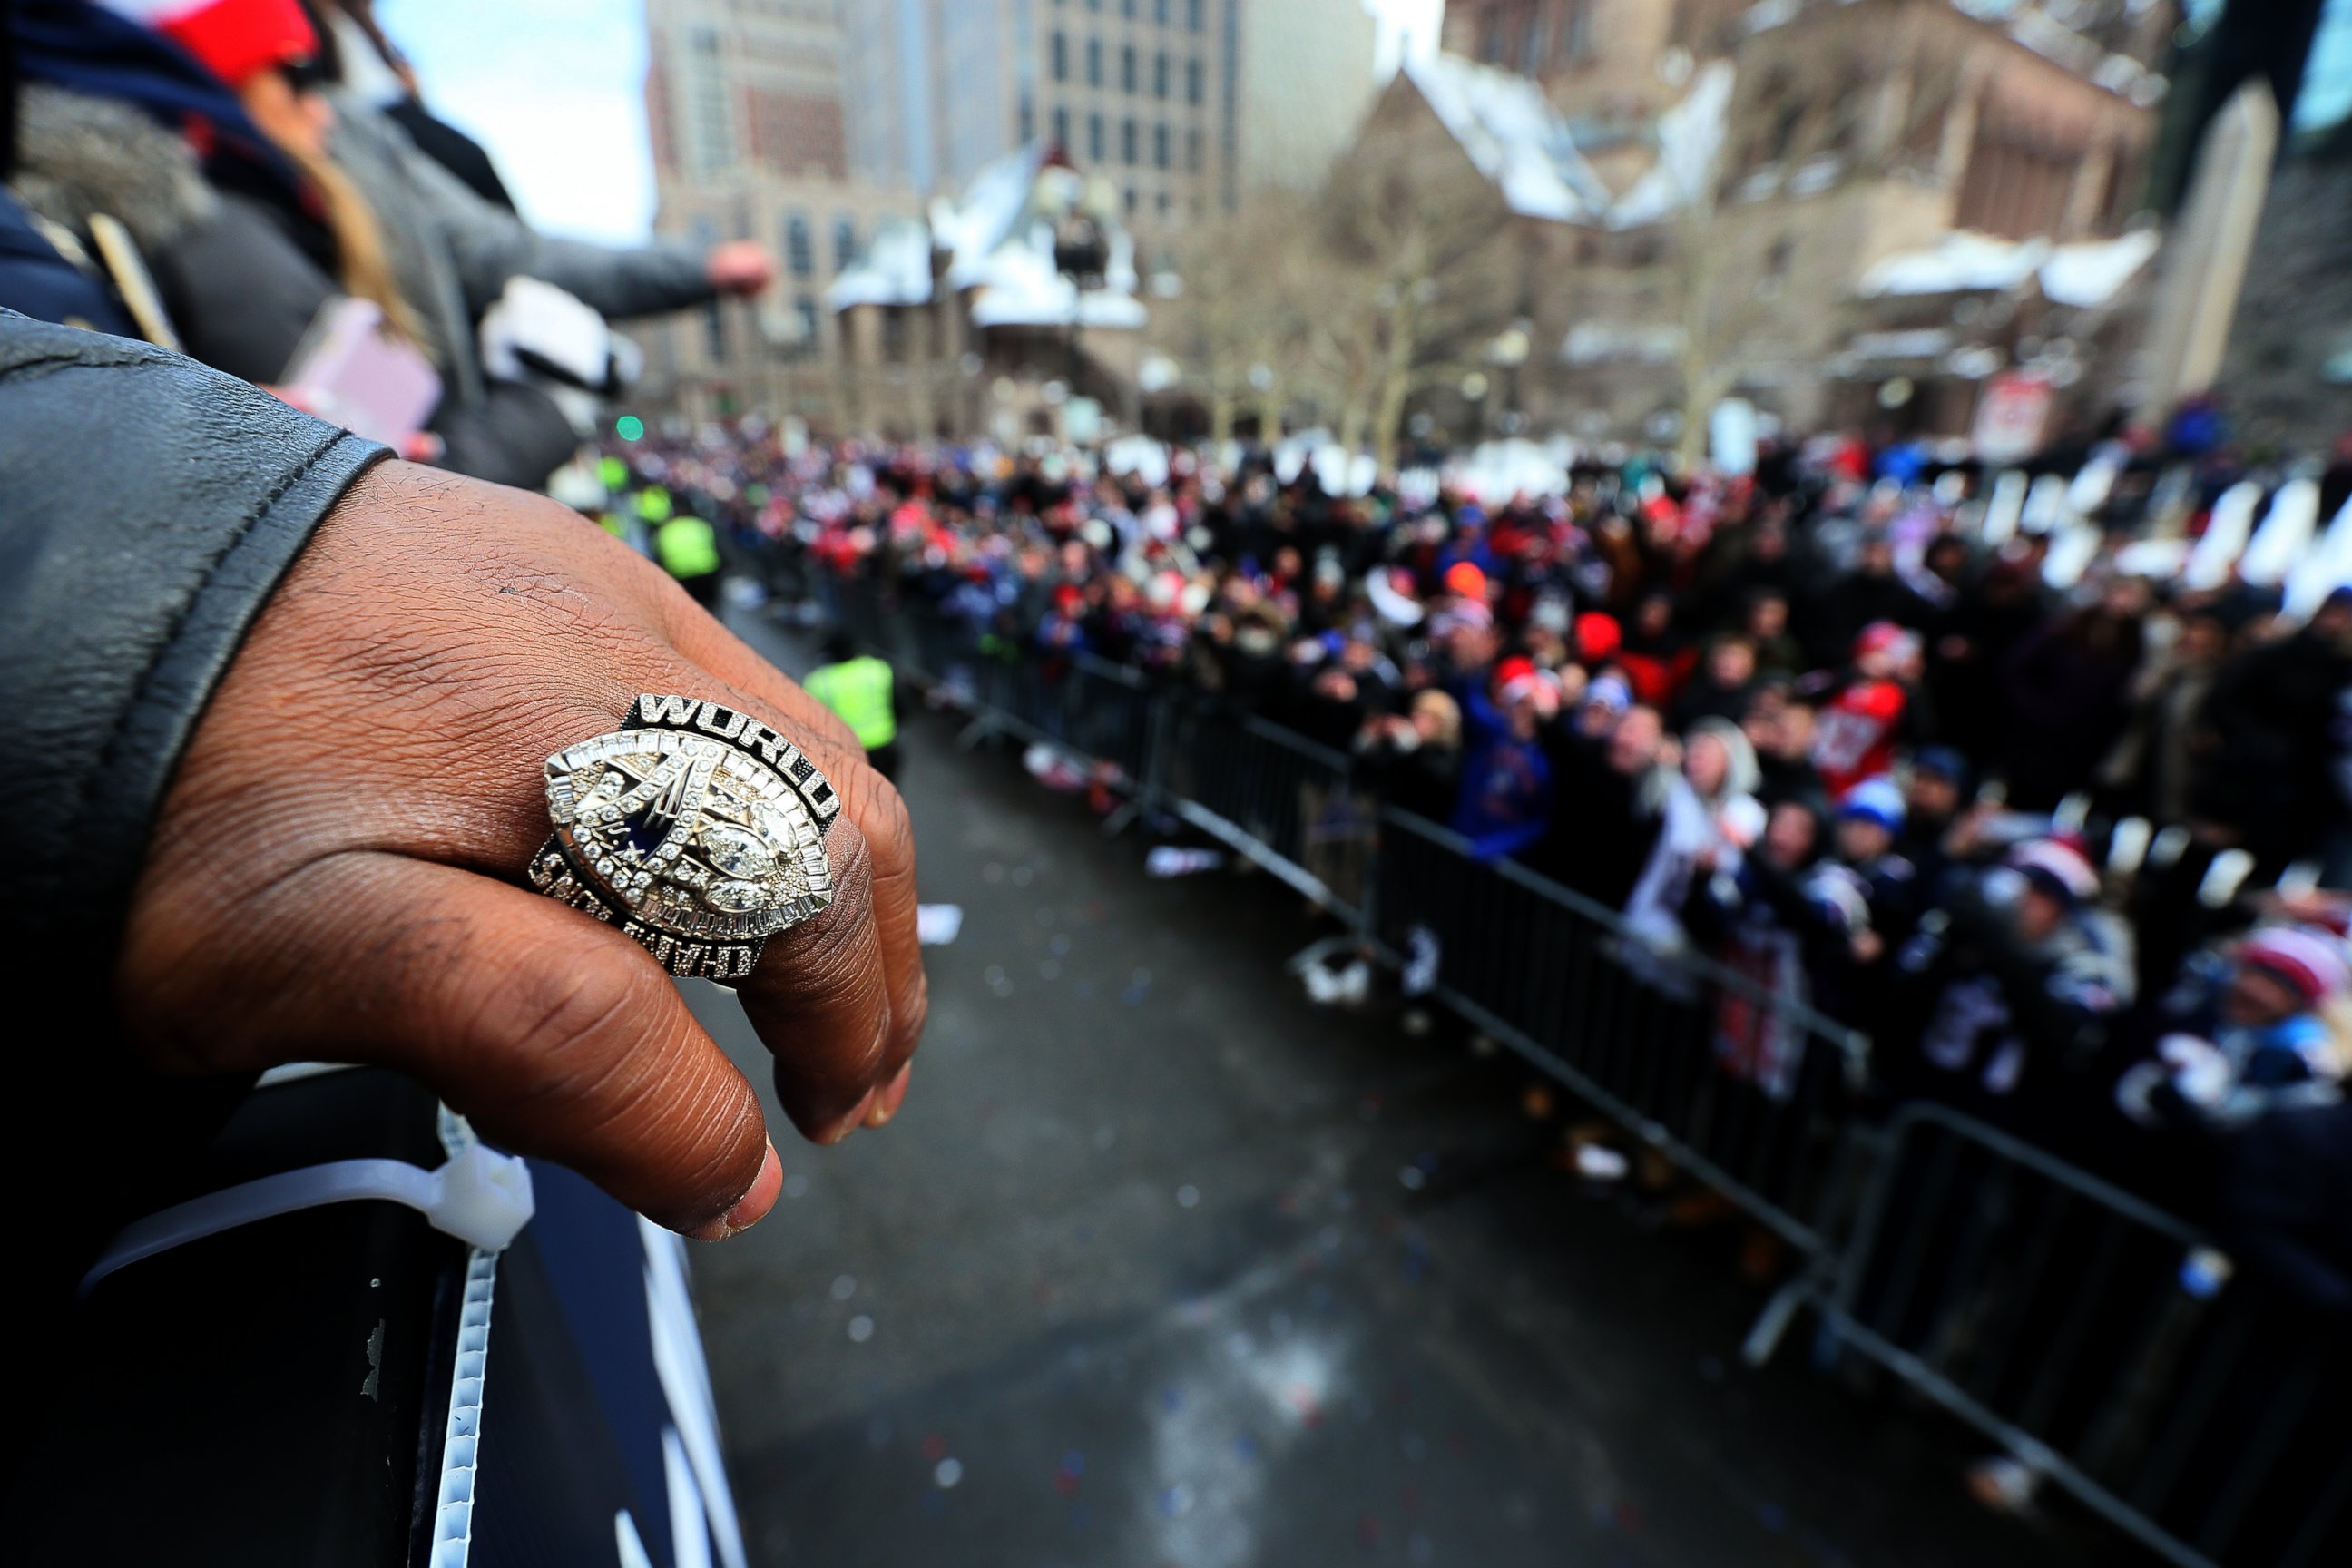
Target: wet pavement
column 1164, row 1267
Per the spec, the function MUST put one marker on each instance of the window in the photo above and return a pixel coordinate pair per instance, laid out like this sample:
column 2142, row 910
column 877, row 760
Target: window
column 1132, row 202
column 1192, row 17
column 804, row 313
column 1094, row 152
column 894, row 337
column 1160, row 12
column 1061, row 61
column 1193, row 150
column 1128, row 144
column 1094, row 62
column 1062, row 128
column 1193, row 82
column 1127, row 69
column 1160, row 74
column 1160, row 204
column 1028, row 118
column 844, row 242
column 714, row 331
column 800, row 251
column 1159, row 146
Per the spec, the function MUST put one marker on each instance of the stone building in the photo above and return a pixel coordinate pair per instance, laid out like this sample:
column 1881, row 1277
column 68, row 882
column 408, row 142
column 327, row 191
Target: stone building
column 975, row 318
column 745, row 103
column 1184, row 104
column 1850, row 210
column 829, row 131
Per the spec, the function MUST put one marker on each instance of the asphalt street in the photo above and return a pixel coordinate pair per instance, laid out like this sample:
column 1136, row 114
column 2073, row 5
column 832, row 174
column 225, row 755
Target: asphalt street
column 1164, row 1267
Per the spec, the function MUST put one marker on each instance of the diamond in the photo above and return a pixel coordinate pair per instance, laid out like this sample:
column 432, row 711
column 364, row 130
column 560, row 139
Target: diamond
column 737, row 897
column 736, row 853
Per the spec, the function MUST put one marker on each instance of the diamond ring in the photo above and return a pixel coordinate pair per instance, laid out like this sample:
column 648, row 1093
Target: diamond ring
column 696, row 829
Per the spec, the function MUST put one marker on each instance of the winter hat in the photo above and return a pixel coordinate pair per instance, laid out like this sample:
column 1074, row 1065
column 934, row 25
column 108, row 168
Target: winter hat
column 1944, row 763
column 2057, row 868
column 1609, row 691
column 1881, row 636
column 1873, row 800
column 235, row 40
column 2310, row 961
column 1465, row 578
column 1597, row 637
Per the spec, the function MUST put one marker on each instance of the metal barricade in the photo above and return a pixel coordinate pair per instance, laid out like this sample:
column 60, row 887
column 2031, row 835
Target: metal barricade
column 1674, row 1056
column 2103, row 1343
column 2106, row 1345
column 1282, row 801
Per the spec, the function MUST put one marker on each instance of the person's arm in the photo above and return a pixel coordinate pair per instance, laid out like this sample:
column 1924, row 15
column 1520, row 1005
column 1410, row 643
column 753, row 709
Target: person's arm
column 284, row 712
column 491, row 245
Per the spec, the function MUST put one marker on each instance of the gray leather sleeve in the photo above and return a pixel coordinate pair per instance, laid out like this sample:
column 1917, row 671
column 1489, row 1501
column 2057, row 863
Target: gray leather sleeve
column 148, row 508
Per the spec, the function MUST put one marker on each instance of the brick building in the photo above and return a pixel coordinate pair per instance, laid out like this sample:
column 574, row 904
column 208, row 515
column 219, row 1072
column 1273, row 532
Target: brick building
column 1851, row 210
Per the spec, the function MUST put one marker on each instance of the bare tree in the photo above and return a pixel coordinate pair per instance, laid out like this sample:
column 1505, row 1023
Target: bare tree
column 1412, row 229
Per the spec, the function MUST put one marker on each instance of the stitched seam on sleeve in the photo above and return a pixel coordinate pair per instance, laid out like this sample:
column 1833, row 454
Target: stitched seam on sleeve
column 139, row 693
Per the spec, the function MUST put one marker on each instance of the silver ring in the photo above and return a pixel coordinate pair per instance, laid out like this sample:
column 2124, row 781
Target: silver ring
column 696, row 829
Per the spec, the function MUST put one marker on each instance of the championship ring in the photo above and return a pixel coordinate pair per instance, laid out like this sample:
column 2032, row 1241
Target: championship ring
column 697, row 830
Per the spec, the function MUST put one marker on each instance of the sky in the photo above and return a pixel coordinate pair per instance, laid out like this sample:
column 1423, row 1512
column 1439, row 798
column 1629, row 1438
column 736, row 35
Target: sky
column 555, row 89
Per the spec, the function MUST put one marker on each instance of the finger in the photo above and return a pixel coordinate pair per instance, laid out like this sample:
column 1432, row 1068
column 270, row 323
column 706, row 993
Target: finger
column 554, row 1033
column 820, row 998
column 868, row 799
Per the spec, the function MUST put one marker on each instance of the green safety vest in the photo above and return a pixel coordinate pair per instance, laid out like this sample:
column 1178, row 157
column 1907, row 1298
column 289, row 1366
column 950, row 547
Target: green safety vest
column 858, row 690
column 687, row 547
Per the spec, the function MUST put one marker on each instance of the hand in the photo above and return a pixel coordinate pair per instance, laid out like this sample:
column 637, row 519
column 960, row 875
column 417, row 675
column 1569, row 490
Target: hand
column 741, row 267
column 335, row 871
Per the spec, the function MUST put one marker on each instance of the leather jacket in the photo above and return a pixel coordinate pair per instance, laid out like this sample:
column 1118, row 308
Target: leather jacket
column 148, row 508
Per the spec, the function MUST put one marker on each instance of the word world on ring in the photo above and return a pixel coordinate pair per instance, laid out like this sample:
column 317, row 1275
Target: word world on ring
column 696, row 829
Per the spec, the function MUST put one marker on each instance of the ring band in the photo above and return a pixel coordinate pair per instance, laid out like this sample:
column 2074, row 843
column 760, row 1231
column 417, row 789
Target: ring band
column 696, row 829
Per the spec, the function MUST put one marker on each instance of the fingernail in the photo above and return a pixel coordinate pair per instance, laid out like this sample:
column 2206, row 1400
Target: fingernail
column 754, row 1205
column 892, row 1098
column 854, row 1120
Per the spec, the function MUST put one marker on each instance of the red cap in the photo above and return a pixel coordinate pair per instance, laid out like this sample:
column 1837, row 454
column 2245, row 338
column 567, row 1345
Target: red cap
column 1513, row 670
column 1597, row 637
column 235, row 40
column 1465, row 578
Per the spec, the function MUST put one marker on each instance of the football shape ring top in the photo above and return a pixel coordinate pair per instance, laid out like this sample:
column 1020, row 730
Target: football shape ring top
column 697, row 830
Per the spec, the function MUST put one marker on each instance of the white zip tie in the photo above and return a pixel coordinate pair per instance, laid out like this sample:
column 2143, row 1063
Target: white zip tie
column 481, row 1198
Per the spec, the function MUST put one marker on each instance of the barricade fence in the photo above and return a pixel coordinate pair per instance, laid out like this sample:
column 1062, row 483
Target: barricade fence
column 2106, row 1346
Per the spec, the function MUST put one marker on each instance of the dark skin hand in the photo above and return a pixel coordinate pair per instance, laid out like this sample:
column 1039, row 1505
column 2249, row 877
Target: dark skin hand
column 336, row 872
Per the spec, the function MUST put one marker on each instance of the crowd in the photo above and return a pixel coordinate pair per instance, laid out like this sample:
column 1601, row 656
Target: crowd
column 257, row 183
column 2059, row 851
column 2063, row 855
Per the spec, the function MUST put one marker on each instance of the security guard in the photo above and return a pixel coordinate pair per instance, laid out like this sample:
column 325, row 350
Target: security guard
column 688, row 549
column 864, row 693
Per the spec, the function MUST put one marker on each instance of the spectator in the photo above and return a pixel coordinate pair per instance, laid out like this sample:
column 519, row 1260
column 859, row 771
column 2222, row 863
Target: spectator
column 1863, row 722
column 2009, row 990
column 1414, row 760
column 1725, row 687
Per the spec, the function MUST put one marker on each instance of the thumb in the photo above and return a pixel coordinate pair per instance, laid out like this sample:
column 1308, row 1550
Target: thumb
column 553, row 1033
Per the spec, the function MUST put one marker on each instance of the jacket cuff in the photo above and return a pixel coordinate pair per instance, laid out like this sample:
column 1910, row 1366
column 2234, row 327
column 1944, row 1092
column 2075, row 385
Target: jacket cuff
column 148, row 508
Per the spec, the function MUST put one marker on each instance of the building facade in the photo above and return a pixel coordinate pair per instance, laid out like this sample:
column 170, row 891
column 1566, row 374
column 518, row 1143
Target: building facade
column 746, row 102
column 1886, row 203
column 1184, row 104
